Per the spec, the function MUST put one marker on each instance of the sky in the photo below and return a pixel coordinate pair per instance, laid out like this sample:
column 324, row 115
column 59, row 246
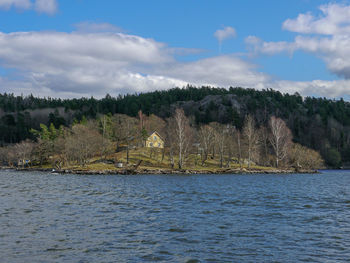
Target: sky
column 84, row 48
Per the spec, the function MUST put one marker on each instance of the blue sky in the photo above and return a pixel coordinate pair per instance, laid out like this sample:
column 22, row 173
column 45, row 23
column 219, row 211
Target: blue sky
column 74, row 48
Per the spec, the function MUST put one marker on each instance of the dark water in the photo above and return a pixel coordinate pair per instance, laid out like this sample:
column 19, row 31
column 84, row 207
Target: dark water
column 202, row 218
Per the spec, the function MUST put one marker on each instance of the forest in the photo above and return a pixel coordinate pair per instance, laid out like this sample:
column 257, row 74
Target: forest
column 320, row 124
column 187, row 145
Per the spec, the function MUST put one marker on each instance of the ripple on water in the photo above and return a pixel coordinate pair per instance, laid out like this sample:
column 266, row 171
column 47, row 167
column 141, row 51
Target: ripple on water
column 307, row 206
column 192, row 261
column 228, row 218
column 177, row 230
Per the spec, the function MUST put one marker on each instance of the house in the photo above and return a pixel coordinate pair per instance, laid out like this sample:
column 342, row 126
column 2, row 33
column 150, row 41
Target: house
column 154, row 140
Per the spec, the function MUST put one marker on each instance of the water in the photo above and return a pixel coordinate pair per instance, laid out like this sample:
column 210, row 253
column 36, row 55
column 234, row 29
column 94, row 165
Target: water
column 202, row 218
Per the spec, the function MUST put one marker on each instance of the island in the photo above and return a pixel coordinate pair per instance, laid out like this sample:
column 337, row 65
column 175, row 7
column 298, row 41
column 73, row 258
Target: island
column 188, row 131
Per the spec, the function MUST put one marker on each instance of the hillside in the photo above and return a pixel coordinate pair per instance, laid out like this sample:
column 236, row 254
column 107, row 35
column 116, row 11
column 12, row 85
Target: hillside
column 319, row 123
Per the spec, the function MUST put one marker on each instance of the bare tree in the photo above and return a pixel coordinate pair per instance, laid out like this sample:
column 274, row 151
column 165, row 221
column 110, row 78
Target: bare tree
column 3, row 156
column 11, row 155
column 154, row 123
column 170, row 141
column 59, row 158
column 251, row 137
column 239, row 147
column 220, row 135
column 23, row 152
column 302, row 157
column 206, row 140
column 264, row 144
column 82, row 144
column 230, row 143
column 183, row 135
column 280, row 138
column 106, row 129
column 126, row 131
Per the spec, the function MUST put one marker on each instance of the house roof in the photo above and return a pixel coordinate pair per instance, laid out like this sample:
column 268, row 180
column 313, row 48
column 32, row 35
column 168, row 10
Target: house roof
column 150, row 134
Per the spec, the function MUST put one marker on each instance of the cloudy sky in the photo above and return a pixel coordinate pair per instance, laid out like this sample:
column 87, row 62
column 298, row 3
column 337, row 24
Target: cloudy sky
column 78, row 48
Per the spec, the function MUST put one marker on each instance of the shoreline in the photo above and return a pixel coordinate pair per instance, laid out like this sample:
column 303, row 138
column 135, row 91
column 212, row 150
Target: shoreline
column 149, row 171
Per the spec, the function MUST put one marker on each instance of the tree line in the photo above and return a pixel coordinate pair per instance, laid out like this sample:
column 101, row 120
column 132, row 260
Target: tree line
column 187, row 144
column 317, row 123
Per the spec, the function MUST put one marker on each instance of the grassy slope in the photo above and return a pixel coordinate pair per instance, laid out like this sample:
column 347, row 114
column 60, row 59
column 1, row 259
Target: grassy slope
column 155, row 162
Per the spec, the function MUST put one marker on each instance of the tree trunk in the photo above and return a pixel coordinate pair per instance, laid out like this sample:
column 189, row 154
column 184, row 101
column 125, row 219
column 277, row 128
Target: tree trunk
column 172, row 164
column 277, row 154
column 221, row 160
column 229, row 158
column 163, row 153
column 249, row 156
column 204, row 157
column 127, row 154
column 239, row 149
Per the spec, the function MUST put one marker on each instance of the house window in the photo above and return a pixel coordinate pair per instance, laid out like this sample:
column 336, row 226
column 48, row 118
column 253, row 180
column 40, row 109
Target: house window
column 158, row 144
column 151, row 144
column 155, row 137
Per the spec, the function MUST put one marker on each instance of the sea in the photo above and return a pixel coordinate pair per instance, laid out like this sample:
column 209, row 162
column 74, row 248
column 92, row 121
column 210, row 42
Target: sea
column 46, row 217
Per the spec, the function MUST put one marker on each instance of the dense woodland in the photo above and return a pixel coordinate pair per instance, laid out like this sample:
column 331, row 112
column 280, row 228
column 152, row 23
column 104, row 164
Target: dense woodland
column 317, row 123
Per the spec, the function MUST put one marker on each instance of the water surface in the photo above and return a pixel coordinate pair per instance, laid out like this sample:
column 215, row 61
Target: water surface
column 169, row 218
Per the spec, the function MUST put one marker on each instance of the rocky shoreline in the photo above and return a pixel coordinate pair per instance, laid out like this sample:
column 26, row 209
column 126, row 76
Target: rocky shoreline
column 164, row 171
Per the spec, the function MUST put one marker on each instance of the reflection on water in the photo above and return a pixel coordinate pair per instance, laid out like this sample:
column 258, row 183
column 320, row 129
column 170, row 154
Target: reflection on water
column 201, row 218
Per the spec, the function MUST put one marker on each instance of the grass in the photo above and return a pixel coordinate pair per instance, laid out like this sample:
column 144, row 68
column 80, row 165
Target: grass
column 100, row 167
column 154, row 159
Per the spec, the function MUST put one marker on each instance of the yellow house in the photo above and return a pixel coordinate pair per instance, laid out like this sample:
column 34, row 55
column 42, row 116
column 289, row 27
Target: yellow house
column 155, row 141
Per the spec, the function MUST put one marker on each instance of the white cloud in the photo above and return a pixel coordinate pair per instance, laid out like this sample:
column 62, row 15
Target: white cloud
column 256, row 45
column 20, row 4
column 41, row 6
column 225, row 33
column 335, row 19
column 79, row 64
column 335, row 51
column 321, row 88
column 84, row 64
column 221, row 71
column 48, row 51
column 328, row 39
column 46, row 6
